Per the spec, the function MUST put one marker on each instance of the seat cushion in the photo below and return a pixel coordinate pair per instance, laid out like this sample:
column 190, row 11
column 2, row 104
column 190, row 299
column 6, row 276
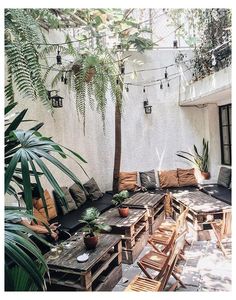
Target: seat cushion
column 51, row 207
column 186, row 177
column 127, row 181
column 217, row 191
column 70, row 221
column 77, row 194
column 148, row 179
column 94, row 192
column 224, row 177
column 168, row 178
column 68, row 199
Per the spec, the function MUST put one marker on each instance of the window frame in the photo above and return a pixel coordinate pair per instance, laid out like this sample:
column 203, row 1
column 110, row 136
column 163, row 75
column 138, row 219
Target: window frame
column 229, row 127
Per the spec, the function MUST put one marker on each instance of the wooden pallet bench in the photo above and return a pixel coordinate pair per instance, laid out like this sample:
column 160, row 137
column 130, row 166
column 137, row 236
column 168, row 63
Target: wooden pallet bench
column 132, row 229
column 100, row 272
column 154, row 205
column 203, row 209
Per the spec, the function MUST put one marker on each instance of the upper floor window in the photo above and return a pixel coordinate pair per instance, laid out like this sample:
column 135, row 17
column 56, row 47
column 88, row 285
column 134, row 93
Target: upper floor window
column 225, row 133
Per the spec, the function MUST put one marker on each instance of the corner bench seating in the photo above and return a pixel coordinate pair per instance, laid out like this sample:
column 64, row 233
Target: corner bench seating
column 70, row 221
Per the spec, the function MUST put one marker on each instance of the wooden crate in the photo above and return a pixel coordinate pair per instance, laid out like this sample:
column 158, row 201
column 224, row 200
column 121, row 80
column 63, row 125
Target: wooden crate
column 154, row 205
column 133, row 230
column 97, row 273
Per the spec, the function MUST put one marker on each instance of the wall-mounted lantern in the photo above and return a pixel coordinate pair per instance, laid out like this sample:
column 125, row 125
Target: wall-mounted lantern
column 56, row 100
column 147, row 108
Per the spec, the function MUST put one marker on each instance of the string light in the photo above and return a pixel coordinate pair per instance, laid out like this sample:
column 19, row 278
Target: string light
column 175, row 44
column 65, row 79
column 122, row 69
column 127, row 88
column 166, row 74
column 161, row 85
column 213, row 58
column 58, row 57
column 144, row 89
column 62, row 77
column 168, row 84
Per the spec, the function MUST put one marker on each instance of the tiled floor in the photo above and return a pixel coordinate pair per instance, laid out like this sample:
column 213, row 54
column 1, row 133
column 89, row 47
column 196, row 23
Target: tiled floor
column 205, row 268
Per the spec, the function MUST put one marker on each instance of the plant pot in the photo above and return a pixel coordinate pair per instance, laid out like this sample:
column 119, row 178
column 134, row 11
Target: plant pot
column 89, row 74
column 90, row 241
column 123, row 211
column 205, row 175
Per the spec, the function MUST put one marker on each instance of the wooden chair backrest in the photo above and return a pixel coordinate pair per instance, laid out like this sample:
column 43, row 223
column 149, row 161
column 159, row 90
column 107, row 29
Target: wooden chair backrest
column 168, row 209
column 172, row 260
column 181, row 222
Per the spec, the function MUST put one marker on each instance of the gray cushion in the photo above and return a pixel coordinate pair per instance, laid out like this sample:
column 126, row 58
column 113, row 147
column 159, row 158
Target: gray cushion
column 224, row 177
column 148, row 179
column 77, row 194
column 69, row 200
column 93, row 189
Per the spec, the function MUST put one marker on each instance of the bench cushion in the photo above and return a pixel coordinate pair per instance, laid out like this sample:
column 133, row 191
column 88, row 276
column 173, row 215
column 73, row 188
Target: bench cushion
column 77, row 194
column 186, row 177
column 127, row 181
column 148, row 179
column 94, row 192
column 168, row 178
column 219, row 192
column 69, row 200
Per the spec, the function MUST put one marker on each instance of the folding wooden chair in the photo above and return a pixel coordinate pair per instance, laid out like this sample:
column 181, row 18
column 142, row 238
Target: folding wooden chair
column 222, row 228
column 142, row 284
column 165, row 238
column 158, row 261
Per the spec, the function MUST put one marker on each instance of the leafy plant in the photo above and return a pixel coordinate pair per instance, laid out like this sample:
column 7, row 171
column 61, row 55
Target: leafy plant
column 25, row 266
column 25, row 152
column 199, row 160
column 119, row 198
column 92, row 223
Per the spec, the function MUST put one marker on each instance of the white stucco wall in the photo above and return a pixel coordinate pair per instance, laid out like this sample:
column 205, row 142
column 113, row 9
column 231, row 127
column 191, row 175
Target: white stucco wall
column 148, row 141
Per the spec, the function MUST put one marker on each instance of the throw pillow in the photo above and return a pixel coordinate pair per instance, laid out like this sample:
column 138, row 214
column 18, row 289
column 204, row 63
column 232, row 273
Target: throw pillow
column 148, row 179
column 68, row 199
column 93, row 190
column 77, row 194
column 168, row 178
column 186, row 177
column 224, row 177
column 52, row 212
column 127, row 181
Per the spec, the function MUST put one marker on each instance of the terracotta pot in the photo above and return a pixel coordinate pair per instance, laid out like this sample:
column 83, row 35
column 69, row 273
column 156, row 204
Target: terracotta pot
column 90, row 241
column 123, row 211
column 89, row 75
column 205, row 175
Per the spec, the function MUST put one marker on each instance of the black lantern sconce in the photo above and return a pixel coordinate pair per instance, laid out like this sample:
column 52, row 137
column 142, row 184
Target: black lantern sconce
column 56, row 100
column 147, row 108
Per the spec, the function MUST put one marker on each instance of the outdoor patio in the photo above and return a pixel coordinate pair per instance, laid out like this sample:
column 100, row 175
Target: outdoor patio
column 118, row 159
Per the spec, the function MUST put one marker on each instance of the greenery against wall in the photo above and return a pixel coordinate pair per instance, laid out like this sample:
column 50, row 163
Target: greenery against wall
column 208, row 31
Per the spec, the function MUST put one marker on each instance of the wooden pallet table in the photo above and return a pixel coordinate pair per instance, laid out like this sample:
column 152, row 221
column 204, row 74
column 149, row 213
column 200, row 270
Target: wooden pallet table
column 154, row 205
column 100, row 272
column 132, row 229
column 203, row 209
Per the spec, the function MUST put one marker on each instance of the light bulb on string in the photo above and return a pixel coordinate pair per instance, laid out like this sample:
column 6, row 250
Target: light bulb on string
column 144, row 89
column 58, row 57
column 166, row 74
column 168, row 84
column 213, row 58
column 62, row 77
column 161, row 85
column 65, row 79
column 127, row 88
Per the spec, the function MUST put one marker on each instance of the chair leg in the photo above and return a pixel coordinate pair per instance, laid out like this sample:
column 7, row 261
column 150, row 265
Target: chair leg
column 173, row 287
column 154, row 246
column 144, row 270
column 179, row 280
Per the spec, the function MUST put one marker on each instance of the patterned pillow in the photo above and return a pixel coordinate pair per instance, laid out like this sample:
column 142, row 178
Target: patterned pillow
column 148, row 179
column 68, row 199
column 77, row 194
column 93, row 190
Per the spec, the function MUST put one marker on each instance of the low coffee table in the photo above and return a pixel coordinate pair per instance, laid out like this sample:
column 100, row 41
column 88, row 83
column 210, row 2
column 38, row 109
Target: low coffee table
column 100, row 272
column 154, row 205
column 133, row 230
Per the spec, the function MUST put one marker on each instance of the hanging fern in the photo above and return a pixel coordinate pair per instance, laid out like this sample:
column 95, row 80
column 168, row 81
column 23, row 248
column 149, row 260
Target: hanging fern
column 23, row 33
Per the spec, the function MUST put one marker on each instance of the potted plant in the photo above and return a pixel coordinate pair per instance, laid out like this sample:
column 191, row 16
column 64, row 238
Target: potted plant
column 199, row 160
column 118, row 199
column 92, row 227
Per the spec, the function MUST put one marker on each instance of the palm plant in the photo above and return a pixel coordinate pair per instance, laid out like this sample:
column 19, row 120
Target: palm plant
column 25, row 153
column 199, row 160
column 92, row 223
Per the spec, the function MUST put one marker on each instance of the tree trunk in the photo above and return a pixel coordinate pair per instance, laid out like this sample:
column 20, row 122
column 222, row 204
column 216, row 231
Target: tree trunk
column 117, row 157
